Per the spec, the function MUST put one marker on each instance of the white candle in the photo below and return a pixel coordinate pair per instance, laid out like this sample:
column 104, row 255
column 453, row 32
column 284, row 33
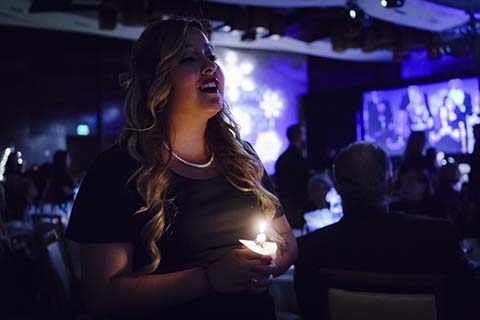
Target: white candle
column 261, row 237
column 261, row 245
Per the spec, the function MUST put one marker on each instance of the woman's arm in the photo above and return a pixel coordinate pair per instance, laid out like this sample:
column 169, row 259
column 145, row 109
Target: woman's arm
column 285, row 256
column 110, row 287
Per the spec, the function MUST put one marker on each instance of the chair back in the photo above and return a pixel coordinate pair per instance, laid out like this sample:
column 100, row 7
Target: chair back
column 42, row 223
column 365, row 295
column 50, row 233
column 59, row 272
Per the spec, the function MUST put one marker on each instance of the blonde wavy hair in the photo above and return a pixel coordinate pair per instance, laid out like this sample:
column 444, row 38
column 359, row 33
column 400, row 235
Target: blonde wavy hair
column 154, row 55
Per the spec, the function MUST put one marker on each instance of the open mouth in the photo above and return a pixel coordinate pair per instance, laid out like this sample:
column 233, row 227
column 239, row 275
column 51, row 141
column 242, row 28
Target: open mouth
column 209, row 86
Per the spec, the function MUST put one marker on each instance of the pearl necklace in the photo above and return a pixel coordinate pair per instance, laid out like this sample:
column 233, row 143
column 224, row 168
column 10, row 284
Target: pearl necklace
column 188, row 163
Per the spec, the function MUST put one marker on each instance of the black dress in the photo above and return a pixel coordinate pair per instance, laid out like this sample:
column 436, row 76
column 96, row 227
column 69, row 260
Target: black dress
column 204, row 218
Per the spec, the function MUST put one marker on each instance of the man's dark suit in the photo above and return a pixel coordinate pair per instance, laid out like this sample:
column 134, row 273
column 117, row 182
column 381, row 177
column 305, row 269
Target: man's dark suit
column 378, row 242
column 291, row 178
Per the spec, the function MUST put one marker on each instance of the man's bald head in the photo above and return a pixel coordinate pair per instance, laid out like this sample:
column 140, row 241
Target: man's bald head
column 362, row 171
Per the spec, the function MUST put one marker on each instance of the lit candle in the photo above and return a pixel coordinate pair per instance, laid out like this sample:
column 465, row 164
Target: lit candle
column 261, row 237
column 261, row 245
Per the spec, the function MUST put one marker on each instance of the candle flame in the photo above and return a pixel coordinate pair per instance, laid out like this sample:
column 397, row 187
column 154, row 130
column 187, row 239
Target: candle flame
column 262, row 226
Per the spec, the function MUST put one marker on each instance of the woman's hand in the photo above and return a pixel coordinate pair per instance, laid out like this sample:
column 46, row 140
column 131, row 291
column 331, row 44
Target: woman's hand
column 240, row 269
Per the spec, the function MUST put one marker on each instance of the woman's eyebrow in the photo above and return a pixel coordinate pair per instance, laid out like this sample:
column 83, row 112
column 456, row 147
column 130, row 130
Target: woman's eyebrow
column 191, row 46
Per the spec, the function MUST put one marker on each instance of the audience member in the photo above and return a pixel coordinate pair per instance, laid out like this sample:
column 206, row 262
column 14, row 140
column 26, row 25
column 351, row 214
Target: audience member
column 3, row 211
column 370, row 238
column 431, row 161
column 473, row 218
column 413, row 156
column 41, row 178
column 60, row 185
column 474, row 176
column 413, row 192
column 291, row 176
column 318, row 186
column 20, row 191
column 447, row 200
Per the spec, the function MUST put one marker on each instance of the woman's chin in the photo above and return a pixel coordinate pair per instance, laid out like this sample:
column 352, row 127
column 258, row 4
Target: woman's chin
column 215, row 105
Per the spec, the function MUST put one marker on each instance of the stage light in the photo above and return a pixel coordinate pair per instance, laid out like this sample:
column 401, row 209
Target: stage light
column 262, row 31
column 392, row 3
column 226, row 28
column 352, row 13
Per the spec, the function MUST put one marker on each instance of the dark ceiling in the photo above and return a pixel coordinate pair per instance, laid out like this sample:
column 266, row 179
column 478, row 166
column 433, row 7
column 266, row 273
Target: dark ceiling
column 306, row 24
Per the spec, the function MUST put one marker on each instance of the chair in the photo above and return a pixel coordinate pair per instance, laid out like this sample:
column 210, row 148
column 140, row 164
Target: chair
column 61, row 286
column 353, row 295
column 42, row 223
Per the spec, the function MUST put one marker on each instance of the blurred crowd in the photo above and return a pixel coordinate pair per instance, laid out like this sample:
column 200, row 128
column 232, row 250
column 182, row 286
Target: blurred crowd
column 42, row 188
column 426, row 183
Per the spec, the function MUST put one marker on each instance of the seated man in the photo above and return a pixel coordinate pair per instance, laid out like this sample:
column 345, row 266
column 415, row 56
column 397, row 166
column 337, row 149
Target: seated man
column 369, row 238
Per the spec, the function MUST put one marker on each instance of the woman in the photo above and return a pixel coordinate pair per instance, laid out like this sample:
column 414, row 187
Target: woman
column 413, row 156
column 159, row 216
column 419, row 115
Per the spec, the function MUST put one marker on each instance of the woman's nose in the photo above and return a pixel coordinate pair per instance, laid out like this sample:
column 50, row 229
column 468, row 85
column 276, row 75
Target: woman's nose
column 209, row 67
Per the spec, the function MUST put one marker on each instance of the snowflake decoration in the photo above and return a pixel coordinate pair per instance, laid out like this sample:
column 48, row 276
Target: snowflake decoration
column 237, row 76
column 271, row 104
column 268, row 146
column 243, row 119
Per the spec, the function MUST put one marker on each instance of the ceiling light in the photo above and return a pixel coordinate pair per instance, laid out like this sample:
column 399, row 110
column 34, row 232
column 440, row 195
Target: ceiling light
column 275, row 37
column 392, row 3
column 352, row 13
column 261, row 31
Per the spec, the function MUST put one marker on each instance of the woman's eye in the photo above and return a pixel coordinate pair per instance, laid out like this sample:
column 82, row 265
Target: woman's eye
column 187, row 59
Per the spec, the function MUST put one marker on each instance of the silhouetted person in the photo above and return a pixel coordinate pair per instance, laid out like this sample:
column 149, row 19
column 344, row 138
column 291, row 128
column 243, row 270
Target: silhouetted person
column 369, row 238
column 318, row 187
column 20, row 191
column 448, row 200
column 474, row 186
column 319, row 215
column 414, row 157
column 60, row 185
column 3, row 211
column 291, row 176
column 413, row 192
column 474, row 176
column 431, row 160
